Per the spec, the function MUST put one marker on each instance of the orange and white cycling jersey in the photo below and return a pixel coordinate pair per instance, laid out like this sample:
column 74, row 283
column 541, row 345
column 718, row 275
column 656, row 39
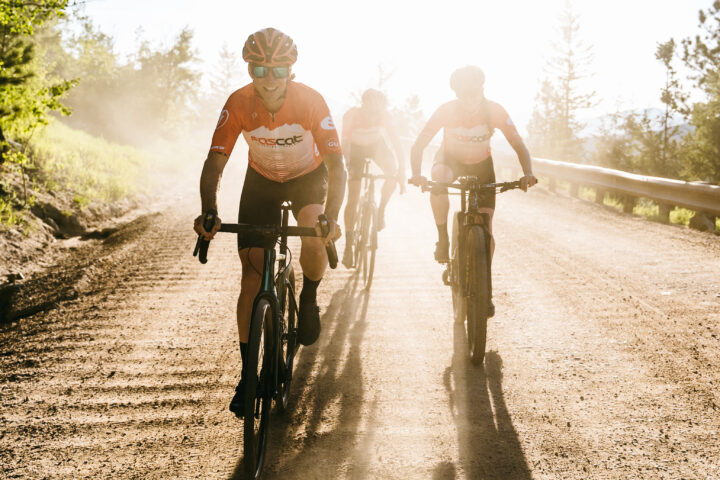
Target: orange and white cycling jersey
column 359, row 129
column 466, row 136
column 283, row 146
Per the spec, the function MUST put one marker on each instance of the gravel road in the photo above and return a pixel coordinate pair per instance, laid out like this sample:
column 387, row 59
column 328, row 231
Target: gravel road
column 603, row 359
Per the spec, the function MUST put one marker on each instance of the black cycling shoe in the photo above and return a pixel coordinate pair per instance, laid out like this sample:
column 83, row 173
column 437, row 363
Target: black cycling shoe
column 491, row 309
column 237, row 404
column 442, row 248
column 308, row 329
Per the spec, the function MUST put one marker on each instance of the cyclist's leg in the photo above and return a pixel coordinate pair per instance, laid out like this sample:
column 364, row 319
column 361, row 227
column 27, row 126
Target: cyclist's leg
column 385, row 160
column 355, row 170
column 441, row 172
column 259, row 205
column 252, row 264
column 308, row 195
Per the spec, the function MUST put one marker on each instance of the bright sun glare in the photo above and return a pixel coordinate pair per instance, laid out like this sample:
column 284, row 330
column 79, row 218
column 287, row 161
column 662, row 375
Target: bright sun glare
column 342, row 44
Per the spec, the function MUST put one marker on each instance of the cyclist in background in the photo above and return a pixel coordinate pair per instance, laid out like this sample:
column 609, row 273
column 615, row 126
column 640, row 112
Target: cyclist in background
column 364, row 133
column 294, row 155
column 468, row 123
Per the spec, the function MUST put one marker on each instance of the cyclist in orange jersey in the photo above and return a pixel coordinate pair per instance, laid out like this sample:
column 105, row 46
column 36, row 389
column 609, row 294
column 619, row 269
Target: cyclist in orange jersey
column 294, row 155
column 468, row 123
column 365, row 131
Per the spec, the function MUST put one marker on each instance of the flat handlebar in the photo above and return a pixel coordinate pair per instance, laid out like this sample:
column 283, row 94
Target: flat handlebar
column 471, row 183
column 201, row 246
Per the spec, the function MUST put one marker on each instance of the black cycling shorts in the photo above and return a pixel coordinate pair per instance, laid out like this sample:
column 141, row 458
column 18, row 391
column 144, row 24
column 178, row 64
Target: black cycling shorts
column 261, row 199
column 378, row 152
column 484, row 171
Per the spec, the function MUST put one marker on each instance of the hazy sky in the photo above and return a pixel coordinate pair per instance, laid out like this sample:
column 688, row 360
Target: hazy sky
column 341, row 43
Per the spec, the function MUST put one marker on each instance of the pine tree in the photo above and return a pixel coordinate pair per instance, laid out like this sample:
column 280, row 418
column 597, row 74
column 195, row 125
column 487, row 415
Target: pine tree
column 554, row 129
column 702, row 55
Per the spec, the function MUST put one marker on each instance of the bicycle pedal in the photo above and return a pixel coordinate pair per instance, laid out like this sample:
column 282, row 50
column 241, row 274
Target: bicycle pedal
column 446, row 278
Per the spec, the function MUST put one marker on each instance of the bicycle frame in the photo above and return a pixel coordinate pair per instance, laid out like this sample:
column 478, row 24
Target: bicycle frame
column 277, row 297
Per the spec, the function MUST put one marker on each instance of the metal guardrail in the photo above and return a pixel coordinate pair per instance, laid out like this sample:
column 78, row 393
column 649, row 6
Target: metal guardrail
column 666, row 192
column 699, row 197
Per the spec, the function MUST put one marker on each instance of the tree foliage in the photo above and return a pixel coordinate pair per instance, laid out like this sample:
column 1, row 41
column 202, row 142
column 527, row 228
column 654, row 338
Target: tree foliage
column 28, row 90
column 554, row 128
column 136, row 101
column 702, row 55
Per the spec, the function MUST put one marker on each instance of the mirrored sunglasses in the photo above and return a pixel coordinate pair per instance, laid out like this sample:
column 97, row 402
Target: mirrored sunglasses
column 260, row 71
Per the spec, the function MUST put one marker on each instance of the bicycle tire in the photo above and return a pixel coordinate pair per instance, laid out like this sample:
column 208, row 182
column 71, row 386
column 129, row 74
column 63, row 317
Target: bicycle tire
column 362, row 242
column 288, row 346
column 371, row 248
column 258, row 366
column 477, row 293
column 457, row 273
column 356, row 239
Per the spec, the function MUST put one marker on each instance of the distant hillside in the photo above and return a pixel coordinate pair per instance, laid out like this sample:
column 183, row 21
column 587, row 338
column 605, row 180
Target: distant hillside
column 594, row 125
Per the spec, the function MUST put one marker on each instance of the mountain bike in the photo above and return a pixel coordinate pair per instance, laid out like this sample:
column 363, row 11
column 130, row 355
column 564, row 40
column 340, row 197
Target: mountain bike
column 365, row 237
column 272, row 342
column 468, row 272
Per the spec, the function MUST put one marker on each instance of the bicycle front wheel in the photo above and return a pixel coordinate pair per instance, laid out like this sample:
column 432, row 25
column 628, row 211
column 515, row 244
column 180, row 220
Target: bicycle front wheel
column 258, row 368
column 477, row 293
column 288, row 343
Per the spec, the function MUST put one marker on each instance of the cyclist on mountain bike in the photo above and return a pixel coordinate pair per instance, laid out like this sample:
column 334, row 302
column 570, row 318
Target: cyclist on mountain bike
column 468, row 123
column 364, row 132
column 294, row 155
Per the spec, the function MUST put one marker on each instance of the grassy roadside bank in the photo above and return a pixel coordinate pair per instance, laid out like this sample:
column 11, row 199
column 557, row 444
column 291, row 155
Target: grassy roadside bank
column 70, row 183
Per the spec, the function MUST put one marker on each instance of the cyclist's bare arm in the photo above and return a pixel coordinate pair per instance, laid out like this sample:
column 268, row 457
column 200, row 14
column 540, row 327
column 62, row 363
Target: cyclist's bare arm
column 209, row 185
column 431, row 128
column 336, row 185
column 528, row 180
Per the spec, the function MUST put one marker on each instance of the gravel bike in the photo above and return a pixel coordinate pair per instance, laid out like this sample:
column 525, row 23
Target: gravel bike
column 468, row 272
column 272, row 342
column 365, row 237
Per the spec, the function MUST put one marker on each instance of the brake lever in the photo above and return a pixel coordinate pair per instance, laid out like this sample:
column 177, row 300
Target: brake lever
column 202, row 245
column 330, row 247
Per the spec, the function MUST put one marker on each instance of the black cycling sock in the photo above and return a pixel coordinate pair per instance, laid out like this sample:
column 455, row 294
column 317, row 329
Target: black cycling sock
column 309, row 290
column 243, row 351
column 442, row 232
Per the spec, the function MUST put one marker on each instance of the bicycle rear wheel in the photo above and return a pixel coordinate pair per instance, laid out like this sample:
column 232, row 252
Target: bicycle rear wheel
column 258, row 368
column 288, row 343
column 371, row 248
column 361, row 253
column 477, row 293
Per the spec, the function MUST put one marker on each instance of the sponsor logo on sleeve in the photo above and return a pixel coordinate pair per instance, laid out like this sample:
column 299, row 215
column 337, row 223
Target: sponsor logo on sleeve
column 327, row 123
column 224, row 117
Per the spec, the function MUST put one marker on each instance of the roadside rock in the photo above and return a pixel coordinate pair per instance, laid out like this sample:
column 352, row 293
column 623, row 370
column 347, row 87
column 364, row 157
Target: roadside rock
column 703, row 222
column 65, row 224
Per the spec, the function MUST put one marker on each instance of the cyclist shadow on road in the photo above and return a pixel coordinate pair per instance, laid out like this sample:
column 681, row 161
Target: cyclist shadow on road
column 317, row 435
column 489, row 447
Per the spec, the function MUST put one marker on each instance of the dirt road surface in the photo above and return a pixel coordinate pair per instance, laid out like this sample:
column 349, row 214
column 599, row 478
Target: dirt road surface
column 603, row 359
